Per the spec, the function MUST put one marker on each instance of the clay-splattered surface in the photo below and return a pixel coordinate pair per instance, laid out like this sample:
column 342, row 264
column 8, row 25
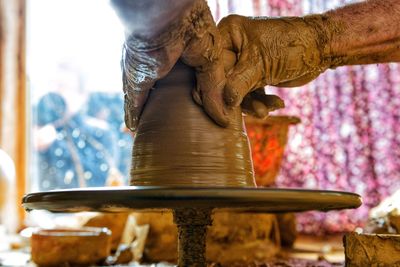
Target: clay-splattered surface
column 177, row 144
column 372, row 249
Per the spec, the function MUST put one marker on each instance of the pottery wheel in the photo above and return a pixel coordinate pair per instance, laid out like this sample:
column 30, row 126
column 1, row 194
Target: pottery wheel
column 116, row 199
column 192, row 207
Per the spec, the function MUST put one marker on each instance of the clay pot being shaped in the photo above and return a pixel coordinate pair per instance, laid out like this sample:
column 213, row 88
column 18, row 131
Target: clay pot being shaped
column 177, row 144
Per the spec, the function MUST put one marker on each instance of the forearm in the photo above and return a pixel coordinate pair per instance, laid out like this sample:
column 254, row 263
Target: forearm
column 363, row 33
column 147, row 19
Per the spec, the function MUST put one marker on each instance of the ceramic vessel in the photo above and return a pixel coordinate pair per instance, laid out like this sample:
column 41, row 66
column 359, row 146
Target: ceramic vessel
column 177, row 144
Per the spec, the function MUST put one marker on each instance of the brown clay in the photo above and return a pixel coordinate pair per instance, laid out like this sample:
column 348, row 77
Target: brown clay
column 177, row 144
column 371, row 250
column 151, row 54
column 286, row 51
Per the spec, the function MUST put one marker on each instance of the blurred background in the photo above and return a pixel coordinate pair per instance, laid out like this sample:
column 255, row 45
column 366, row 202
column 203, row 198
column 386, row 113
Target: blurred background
column 61, row 116
column 347, row 138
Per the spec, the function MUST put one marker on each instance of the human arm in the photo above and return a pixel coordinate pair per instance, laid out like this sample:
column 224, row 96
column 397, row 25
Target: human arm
column 158, row 33
column 291, row 51
column 365, row 33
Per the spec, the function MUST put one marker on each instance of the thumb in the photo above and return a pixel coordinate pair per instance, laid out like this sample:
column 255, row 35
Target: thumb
column 259, row 104
column 242, row 79
column 204, row 53
column 136, row 90
column 210, row 87
column 133, row 106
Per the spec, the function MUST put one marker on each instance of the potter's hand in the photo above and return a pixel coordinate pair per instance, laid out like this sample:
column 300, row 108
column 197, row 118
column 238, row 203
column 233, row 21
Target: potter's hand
column 269, row 51
column 258, row 104
column 192, row 36
column 293, row 51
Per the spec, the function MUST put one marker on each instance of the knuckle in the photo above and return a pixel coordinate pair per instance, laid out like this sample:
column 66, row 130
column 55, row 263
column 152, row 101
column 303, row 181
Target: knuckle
column 231, row 20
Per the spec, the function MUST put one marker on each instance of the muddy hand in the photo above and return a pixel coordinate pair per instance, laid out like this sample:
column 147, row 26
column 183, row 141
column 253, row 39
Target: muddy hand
column 192, row 36
column 268, row 51
column 256, row 103
column 204, row 53
column 141, row 68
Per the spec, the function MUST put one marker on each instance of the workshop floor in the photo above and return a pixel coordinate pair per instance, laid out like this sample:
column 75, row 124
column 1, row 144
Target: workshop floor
column 308, row 251
column 329, row 248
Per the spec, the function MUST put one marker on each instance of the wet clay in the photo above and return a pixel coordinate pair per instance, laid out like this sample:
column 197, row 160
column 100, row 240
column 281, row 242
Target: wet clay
column 177, row 144
column 371, row 249
column 292, row 51
column 285, row 51
column 150, row 55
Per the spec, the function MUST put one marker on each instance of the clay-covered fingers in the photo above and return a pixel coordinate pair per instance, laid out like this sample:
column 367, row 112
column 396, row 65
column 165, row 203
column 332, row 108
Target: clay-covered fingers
column 229, row 58
column 204, row 53
column 259, row 104
column 241, row 59
column 243, row 78
column 209, row 92
column 232, row 31
column 139, row 78
column 141, row 69
column 209, row 89
column 232, row 38
column 139, row 73
column 133, row 107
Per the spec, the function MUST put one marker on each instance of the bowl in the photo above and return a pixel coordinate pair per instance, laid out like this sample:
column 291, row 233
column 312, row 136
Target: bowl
column 58, row 247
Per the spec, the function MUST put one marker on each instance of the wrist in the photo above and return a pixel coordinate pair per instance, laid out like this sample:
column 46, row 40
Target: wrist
column 322, row 27
column 300, row 44
column 192, row 22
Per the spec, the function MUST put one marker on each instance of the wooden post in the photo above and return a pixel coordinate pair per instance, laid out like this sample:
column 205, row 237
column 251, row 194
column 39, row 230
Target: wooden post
column 13, row 97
